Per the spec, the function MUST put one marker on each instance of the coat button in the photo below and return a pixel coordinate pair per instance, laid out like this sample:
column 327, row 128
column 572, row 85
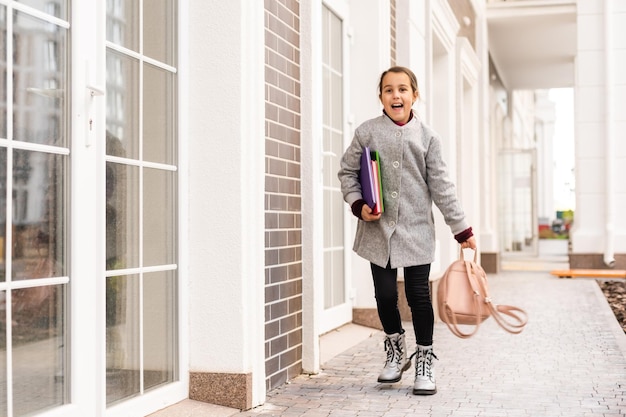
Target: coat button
column 396, row 164
column 392, row 224
column 394, row 195
column 398, row 134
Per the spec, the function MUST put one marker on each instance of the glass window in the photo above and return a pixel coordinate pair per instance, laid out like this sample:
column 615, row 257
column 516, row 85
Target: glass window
column 142, row 204
column 158, row 115
column 333, row 117
column 123, row 23
column 3, row 76
column 159, row 25
column 159, row 217
column 56, row 8
column 39, row 215
column 38, row 325
column 159, row 294
column 39, row 81
column 122, row 337
column 122, row 216
column 122, row 110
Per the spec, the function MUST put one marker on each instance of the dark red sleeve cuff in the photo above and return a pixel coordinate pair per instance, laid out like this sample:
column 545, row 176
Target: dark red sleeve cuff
column 357, row 206
column 464, row 235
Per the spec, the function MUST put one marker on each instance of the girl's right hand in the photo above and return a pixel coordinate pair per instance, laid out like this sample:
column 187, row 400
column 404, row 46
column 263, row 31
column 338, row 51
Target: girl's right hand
column 366, row 214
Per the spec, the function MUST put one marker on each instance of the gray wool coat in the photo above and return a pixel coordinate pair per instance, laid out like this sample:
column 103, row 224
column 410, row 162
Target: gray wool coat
column 414, row 176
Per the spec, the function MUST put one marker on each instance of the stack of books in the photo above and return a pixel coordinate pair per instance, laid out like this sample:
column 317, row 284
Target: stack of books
column 371, row 182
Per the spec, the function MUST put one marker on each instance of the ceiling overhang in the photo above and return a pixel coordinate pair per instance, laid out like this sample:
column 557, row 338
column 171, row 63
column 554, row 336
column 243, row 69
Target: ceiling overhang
column 532, row 43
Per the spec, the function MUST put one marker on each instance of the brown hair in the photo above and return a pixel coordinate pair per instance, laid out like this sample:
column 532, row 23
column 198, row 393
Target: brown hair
column 398, row 69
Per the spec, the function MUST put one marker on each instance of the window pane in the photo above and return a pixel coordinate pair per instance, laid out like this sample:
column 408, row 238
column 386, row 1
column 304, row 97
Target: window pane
column 123, row 23
column 335, row 37
column 336, row 101
column 159, row 30
column 39, row 215
column 159, row 312
column 159, row 232
column 56, row 8
column 339, row 291
column 337, row 206
column 37, row 330
column 3, row 358
column 122, row 216
column 39, row 81
column 122, row 337
column 3, row 75
column 158, row 115
column 328, row 225
column 3, row 214
column 122, row 114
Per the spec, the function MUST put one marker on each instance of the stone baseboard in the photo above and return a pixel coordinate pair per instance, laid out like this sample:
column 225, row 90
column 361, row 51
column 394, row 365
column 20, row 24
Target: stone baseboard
column 490, row 261
column 228, row 390
column 367, row 317
column 594, row 261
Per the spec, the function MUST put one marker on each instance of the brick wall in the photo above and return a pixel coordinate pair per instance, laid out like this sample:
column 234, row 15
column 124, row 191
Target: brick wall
column 283, row 230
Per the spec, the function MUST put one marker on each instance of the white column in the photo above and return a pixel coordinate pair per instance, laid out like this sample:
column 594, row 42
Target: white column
column 598, row 157
column 312, row 227
column 226, row 183
column 487, row 224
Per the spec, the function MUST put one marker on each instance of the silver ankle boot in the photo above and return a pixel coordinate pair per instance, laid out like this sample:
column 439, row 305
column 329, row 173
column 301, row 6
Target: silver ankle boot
column 424, row 372
column 397, row 361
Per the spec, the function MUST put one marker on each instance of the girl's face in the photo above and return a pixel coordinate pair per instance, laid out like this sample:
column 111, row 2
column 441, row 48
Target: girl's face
column 397, row 96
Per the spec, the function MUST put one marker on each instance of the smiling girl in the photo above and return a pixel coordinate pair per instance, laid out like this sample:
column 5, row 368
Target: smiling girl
column 414, row 176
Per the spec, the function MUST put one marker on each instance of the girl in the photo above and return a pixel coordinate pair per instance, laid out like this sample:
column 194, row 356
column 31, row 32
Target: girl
column 414, row 176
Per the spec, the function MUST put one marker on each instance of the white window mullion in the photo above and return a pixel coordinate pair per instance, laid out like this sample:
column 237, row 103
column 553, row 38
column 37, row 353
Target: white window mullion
column 141, row 200
column 9, row 214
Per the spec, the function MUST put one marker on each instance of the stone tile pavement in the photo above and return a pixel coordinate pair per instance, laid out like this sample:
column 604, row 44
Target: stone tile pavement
column 570, row 361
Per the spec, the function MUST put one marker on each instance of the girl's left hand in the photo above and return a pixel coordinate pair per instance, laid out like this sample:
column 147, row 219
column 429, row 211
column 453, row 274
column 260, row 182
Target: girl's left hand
column 469, row 243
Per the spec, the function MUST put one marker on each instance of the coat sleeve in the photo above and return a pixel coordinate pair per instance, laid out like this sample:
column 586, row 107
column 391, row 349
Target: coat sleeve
column 349, row 167
column 442, row 189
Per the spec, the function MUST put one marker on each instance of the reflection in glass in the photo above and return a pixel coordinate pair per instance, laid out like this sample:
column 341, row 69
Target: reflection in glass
column 333, row 117
column 3, row 355
column 37, row 332
column 56, row 8
column 3, row 213
column 39, row 81
column 159, row 312
column 123, row 23
column 3, row 78
column 122, row 216
column 122, row 337
column 122, row 98
column 159, row 30
column 39, row 215
column 158, row 115
column 159, row 230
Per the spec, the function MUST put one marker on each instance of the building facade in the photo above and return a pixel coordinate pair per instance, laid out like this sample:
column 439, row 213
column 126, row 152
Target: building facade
column 171, row 223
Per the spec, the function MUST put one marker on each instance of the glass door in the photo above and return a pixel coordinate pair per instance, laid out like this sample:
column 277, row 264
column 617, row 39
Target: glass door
column 34, row 206
column 141, row 176
column 337, row 306
column 88, row 208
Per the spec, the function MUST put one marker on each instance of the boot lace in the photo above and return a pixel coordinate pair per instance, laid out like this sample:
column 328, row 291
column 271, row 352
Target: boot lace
column 389, row 350
column 424, row 362
column 394, row 352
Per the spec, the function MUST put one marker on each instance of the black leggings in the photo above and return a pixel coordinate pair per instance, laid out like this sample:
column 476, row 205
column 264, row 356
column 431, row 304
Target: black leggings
column 417, row 292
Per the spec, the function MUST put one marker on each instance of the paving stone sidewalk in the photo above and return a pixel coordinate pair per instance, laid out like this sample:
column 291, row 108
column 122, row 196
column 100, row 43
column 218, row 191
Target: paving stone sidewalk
column 570, row 361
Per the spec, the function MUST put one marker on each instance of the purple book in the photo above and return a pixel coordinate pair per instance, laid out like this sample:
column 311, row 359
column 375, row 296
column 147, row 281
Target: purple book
column 366, row 178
